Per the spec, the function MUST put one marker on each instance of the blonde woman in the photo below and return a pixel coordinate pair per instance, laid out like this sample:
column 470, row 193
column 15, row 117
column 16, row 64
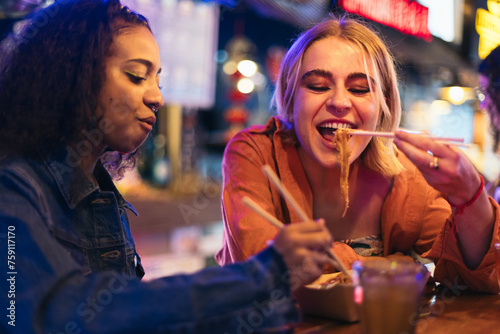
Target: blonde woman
column 339, row 74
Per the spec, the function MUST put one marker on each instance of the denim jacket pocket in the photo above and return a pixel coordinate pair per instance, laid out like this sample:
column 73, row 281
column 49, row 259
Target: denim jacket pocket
column 116, row 254
column 76, row 248
column 120, row 258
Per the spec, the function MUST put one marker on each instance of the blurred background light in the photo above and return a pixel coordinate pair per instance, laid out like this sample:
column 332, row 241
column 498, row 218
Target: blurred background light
column 457, row 94
column 245, row 86
column 221, row 56
column 441, row 107
column 230, row 67
column 247, row 67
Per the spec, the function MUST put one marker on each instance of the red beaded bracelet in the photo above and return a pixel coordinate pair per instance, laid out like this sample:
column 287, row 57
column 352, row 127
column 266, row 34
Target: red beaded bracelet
column 459, row 209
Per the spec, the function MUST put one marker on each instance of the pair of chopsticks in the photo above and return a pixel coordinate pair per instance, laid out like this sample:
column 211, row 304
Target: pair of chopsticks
column 442, row 140
column 289, row 198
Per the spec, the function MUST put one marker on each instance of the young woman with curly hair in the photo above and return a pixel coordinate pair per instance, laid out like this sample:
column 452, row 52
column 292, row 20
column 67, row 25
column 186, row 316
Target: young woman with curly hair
column 77, row 82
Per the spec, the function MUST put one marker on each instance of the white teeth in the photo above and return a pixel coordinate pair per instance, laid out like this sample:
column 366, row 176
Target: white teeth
column 336, row 125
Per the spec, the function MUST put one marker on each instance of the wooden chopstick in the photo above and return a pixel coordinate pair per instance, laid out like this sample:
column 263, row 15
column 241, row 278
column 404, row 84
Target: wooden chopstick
column 264, row 214
column 303, row 216
column 372, row 133
column 391, row 135
column 286, row 195
column 274, row 221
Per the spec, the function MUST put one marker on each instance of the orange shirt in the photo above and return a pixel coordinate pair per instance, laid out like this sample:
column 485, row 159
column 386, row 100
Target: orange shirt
column 414, row 215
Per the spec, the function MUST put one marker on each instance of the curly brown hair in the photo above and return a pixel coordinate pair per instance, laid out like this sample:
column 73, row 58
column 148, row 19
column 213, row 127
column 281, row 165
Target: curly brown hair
column 490, row 68
column 51, row 72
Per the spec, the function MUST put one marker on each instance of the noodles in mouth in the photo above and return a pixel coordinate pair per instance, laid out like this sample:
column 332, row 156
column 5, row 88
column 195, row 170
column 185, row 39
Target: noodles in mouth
column 341, row 140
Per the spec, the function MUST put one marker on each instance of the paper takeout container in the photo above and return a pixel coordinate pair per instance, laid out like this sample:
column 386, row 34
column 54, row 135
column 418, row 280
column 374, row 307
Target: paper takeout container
column 334, row 301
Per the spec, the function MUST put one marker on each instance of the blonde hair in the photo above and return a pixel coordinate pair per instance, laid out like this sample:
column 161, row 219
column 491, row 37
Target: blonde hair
column 380, row 154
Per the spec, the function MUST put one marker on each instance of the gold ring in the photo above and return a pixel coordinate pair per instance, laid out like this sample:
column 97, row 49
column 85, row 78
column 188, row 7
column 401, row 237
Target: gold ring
column 434, row 163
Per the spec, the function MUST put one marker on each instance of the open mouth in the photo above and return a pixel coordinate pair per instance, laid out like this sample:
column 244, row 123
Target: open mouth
column 327, row 129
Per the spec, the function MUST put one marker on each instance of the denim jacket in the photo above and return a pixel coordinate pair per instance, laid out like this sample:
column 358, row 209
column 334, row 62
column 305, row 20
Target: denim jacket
column 70, row 265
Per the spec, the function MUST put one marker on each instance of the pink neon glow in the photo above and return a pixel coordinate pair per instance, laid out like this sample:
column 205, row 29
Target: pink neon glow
column 407, row 16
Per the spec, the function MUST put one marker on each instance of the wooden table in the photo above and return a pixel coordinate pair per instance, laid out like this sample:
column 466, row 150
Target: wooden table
column 444, row 312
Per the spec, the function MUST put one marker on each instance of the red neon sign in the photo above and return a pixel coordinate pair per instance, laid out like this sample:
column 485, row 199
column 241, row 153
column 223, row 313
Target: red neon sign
column 407, row 16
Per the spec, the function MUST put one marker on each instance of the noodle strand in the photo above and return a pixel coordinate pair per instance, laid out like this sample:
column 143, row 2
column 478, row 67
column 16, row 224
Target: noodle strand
column 341, row 140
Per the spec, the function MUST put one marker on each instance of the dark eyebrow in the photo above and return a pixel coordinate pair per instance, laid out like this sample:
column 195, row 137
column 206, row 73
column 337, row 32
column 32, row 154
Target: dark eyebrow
column 358, row 75
column 327, row 75
column 321, row 73
column 144, row 62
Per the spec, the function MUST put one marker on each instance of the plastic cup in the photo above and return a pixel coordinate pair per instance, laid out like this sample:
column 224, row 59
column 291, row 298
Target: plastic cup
column 497, row 251
column 388, row 295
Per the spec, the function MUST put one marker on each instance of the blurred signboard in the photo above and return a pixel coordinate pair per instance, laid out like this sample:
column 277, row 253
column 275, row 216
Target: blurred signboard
column 488, row 28
column 407, row 16
column 445, row 19
column 187, row 33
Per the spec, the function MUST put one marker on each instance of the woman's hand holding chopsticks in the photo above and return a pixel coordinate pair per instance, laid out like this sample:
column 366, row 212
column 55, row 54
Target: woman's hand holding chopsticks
column 274, row 179
column 448, row 170
column 444, row 167
column 334, row 262
column 300, row 245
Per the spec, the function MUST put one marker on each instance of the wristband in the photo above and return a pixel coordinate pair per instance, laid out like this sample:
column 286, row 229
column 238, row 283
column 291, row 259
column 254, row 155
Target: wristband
column 459, row 209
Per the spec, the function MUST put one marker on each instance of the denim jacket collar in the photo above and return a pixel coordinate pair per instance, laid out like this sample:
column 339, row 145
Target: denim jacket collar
column 72, row 181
